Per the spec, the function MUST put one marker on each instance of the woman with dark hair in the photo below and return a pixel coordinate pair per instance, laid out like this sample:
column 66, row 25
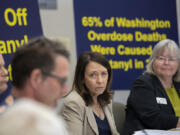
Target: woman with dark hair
column 87, row 108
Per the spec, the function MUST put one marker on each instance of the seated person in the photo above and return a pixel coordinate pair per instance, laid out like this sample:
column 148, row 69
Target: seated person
column 154, row 100
column 28, row 117
column 40, row 70
column 87, row 109
column 5, row 96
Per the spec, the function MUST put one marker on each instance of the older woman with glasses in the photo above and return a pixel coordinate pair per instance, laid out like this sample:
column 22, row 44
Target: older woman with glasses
column 154, row 100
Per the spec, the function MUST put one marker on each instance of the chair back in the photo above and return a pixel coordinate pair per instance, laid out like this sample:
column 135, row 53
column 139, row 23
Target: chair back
column 119, row 115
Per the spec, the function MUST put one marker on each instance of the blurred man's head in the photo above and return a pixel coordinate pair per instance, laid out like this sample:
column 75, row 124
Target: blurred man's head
column 3, row 75
column 40, row 70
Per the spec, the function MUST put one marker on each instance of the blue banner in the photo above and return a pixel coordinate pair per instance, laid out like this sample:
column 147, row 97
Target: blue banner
column 19, row 22
column 125, row 32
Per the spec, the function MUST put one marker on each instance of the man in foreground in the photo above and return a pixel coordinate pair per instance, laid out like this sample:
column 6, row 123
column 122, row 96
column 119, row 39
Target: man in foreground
column 40, row 70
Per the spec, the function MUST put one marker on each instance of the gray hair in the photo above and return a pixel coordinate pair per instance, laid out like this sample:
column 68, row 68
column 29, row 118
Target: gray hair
column 158, row 50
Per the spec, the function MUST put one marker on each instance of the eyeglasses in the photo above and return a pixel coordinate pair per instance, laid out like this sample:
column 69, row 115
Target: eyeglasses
column 61, row 81
column 163, row 59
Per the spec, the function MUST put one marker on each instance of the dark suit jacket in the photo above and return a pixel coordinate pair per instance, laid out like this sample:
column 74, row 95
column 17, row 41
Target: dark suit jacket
column 148, row 106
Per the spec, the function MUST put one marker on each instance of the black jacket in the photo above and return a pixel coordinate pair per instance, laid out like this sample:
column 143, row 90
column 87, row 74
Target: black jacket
column 143, row 111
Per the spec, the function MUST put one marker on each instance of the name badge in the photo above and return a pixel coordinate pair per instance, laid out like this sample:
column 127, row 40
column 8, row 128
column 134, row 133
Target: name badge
column 161, row 100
